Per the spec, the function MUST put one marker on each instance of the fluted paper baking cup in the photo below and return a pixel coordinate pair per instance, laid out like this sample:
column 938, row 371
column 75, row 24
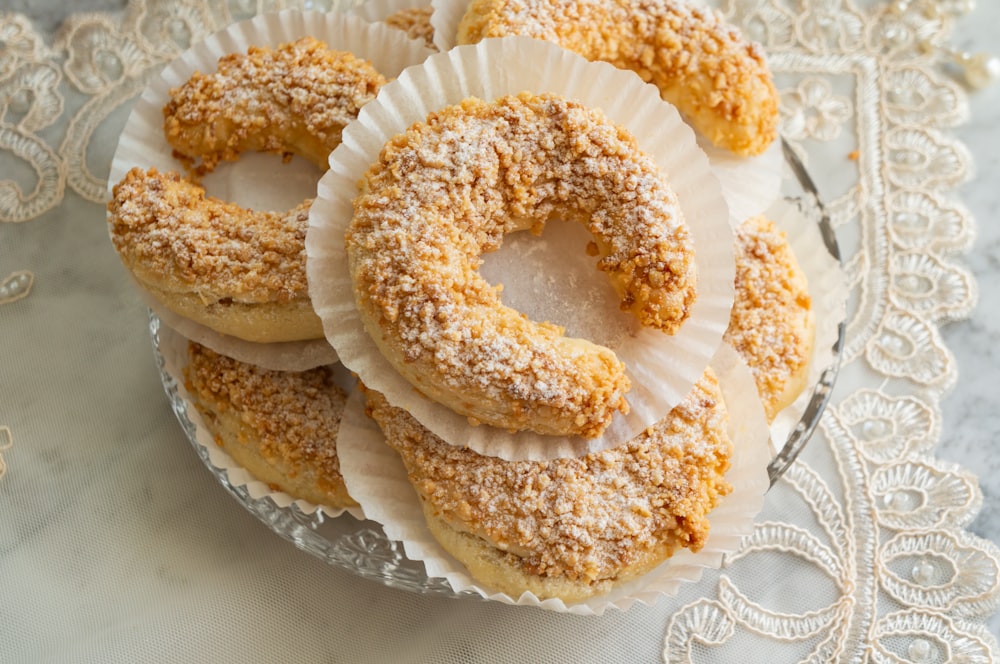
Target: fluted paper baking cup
column 662, row 368
column 286, row 356
column 445, row 19
column 749, row 184
column 173, row 348
column 376, row 477
column 251, row 181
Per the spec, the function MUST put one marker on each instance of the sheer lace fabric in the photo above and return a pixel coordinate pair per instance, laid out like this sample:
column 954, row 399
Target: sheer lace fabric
column 862, row 550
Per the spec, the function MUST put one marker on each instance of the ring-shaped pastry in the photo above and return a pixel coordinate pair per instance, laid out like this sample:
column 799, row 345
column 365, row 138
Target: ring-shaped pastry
column 448, row 190
column 415, row 22
column 281, row 426
column 772, row 324
column 238, row 271
column 571, row 528
column 293, row 99
column 701, row 65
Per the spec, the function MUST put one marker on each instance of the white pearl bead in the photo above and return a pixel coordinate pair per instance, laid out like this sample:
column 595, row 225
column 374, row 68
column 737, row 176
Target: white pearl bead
column 981, row 69
column 919, row 650
column 923, row 573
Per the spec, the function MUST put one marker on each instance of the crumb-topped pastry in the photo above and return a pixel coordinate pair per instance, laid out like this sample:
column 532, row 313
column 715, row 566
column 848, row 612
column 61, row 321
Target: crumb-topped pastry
column 718, row 80
column 571, row 528
column 236, row 271
column 280, row 425
column 293, row 99
column 415, row 22
column 446, row 191
column 771, row 325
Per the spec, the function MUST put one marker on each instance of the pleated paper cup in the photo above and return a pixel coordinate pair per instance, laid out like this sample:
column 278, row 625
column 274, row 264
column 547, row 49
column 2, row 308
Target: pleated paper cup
column 445, row 20
column 749, row 184
column 173, row 348
column 662, row 368
column 376, row 477
column 285, row 356
column 252, row 180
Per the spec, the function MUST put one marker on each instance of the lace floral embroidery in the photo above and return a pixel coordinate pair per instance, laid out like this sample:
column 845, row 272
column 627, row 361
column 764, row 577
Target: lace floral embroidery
column 914, row 551
column 812, row 110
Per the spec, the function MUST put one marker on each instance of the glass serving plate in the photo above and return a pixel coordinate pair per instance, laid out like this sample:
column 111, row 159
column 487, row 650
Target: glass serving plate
column 362, row 548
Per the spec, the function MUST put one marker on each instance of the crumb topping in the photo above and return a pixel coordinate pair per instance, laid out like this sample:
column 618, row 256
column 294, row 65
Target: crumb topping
column 168, row 230
column 292, row 99
column 768, row 325
column 702, row 65
column 448, row 190
column 415, row 22
column 295, row 415
column 584, row 518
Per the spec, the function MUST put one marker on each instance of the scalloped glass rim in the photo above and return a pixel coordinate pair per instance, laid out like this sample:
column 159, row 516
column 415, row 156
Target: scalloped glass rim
column 807, row 198
column 362, row 548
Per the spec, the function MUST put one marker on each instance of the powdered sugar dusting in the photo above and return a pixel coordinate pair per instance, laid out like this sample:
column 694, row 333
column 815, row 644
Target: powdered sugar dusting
column 702, row 65
column 770, row 326
column 295, row 98
column 449, row 190
column 415, row 22
column 291, row 419
column 583, row 518
column 164, row 226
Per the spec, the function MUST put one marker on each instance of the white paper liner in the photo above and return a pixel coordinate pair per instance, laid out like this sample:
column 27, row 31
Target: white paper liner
column 173, row 348
column 749, row 184
column 828, row 288
column 445, row 19
column 251, row 181
column 376, row 477
column 662, row 368
column 287, row 356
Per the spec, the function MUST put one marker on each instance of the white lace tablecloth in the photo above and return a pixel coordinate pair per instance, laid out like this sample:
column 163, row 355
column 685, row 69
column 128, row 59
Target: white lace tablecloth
column 117, row 545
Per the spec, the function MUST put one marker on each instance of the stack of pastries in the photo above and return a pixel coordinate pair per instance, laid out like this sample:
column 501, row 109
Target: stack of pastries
column 441, row 195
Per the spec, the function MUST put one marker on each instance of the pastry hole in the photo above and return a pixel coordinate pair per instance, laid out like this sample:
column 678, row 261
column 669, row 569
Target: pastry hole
column 263, row 181
column 552, row 278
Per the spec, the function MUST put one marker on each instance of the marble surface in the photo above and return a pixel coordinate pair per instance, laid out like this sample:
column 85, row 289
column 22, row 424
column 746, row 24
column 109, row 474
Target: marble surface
column 971, row 413
column 971, row 429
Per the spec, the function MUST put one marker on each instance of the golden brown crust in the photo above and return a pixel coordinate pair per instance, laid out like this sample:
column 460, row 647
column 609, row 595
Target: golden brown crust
column 446, row 191
column 237, row 271
column 771, row 325
column 295, row 98
column 416, row 23
column 281, row 426
column 718, row 80
column 571, row 528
